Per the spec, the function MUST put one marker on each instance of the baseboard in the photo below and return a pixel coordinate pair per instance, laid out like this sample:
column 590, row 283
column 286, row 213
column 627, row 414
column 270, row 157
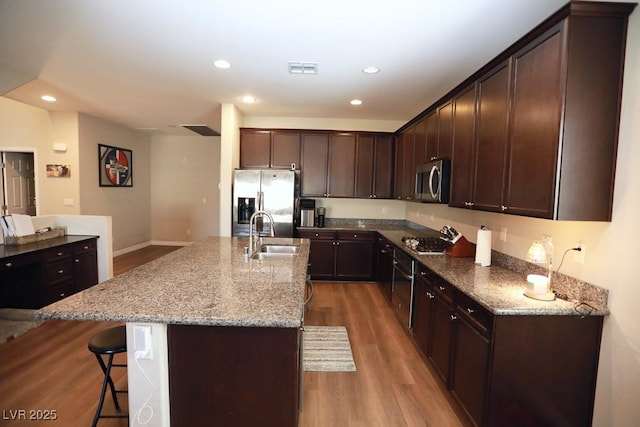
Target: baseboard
column 131, row 248
column 170, row 243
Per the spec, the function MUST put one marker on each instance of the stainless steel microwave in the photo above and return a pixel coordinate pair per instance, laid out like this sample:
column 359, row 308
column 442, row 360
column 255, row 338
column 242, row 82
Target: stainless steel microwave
column 432, row 181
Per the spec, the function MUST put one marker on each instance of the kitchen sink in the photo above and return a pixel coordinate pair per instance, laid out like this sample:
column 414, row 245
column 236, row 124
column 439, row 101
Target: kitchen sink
column 279, row 249
column 269, row 251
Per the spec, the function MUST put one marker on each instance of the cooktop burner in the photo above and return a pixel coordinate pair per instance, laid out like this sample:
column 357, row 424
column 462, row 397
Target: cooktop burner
column 426, row 245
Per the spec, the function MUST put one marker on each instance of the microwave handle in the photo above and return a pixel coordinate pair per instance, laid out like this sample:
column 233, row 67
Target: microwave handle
column 433, row 171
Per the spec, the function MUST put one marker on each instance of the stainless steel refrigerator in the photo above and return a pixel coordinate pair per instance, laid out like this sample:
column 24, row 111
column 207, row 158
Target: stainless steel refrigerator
column 271, row 190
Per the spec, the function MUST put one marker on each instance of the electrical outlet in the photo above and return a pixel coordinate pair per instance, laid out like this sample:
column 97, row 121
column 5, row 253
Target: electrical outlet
column 503, row 234
column 142, row 342
column 579, row 256
column 384, row 209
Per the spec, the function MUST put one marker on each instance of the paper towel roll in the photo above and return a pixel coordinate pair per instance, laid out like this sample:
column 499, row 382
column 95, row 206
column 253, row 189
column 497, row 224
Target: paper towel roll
column 483, row 248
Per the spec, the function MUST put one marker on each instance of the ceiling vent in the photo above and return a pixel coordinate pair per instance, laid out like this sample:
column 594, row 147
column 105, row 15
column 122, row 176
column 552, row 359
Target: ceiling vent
column 203, row 130
column 303, row 68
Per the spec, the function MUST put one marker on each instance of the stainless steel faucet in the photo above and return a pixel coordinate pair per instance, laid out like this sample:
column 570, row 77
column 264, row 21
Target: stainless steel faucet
column 257, row 233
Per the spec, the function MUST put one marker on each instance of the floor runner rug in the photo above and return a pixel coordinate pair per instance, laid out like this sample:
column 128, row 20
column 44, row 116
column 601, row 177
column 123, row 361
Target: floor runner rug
column 327, row 349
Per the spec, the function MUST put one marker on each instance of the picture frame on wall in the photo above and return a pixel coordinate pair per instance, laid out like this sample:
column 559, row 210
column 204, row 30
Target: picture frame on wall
column 115, row 166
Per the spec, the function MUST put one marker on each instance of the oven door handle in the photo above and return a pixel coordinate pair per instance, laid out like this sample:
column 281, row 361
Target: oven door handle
column 402, row 273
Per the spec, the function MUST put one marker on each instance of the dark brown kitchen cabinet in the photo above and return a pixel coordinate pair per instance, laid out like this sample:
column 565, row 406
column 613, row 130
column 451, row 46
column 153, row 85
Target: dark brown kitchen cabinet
column 525, row 370
column 445, row 129
column 470, row 358
column 442, row 328
column 405, row 170
column 216, row 373
column 423, row 310
column 37, row 274
column 463, row 150
column 419, row 145
column 374, row 166
column 328, row 165
column 342, row 165
column 261, row 148
column 313, row 173
column 491, row 129
column 384, row 266
column 340, row 255
column 431, row 130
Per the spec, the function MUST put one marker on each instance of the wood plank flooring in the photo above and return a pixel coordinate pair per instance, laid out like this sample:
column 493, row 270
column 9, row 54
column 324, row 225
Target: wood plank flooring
column 50, row 368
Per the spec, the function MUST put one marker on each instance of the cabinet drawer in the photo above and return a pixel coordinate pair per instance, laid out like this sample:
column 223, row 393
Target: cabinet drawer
column 58, row 291
column 317, row 234
column 475, row 314
column 355, row 235
column 60, row 252
column 443, row 288
column 82, row 247
column 59, row 271
column 13, row 262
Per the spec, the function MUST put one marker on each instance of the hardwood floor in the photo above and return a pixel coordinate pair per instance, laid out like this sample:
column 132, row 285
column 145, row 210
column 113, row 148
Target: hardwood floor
column 50, row 368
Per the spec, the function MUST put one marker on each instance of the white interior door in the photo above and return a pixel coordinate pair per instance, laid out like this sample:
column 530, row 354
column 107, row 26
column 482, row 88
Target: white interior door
column 19, row 187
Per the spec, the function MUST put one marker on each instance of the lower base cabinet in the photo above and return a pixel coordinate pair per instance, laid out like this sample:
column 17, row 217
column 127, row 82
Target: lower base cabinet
column 233, row 376
column 516, row 370
column 340, row 255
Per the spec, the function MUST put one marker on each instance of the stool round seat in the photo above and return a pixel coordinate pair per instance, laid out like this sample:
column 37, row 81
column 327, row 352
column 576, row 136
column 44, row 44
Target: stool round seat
column 109, row 341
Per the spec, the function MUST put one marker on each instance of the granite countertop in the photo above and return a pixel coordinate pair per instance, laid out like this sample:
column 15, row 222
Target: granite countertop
column 210, row 282
column 498, row 289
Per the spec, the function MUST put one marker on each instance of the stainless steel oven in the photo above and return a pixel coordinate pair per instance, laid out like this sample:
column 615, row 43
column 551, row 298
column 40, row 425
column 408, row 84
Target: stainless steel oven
column 402, row 286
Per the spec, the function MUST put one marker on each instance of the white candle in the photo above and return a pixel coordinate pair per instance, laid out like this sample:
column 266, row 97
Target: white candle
column 537, row 283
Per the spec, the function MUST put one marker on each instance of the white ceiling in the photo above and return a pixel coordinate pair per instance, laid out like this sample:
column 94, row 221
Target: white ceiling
column 149, row 63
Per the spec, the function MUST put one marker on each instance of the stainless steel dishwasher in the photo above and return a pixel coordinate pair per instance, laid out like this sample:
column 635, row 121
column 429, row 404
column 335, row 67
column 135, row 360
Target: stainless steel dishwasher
column 402, row 286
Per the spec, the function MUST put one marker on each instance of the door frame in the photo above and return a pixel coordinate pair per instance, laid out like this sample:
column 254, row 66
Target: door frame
column 36, row 167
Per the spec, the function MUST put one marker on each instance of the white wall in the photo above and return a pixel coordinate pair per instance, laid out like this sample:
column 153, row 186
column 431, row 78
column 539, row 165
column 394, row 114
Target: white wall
column 231, row 121
column 185, row 199
column 322, row 123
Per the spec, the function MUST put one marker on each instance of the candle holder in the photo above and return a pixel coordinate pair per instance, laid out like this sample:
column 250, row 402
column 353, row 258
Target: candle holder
column 539, row 286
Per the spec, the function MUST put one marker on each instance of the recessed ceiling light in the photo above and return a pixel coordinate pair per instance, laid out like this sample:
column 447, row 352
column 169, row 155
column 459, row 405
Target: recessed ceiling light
column 356, row 102
column 48, row 98
column 371, row 70
column 248, row 99
column 221, row 63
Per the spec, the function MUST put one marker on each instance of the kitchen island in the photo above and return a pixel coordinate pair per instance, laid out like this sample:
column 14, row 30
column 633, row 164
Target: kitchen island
column 225, row 332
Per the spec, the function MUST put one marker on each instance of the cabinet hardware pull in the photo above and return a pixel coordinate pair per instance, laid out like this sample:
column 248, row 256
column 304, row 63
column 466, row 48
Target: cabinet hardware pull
column 470, row 310
column 355, row 235
column 8, row 264
column 422, row 273
column 317, row 235
column 430, row 295
column 60, row 271
column 382, row 251
column 59, row 254
column 62, row 294
column 442, row 288
column 77, row 260
column 85, row 247
column 453, row 317
column 504, row 208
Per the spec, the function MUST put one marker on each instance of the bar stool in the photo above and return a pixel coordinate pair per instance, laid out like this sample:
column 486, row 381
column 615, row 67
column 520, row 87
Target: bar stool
column 109, row 342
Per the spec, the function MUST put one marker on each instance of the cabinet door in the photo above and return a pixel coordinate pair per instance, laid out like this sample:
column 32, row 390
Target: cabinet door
column 445, row 131
column 255, row 148
column 409, row 171
column 440, row 353
column 322, row 259
column 470, row 369
column 431, row 143
column 492, row 125
column 85, row 270
column 463, row 147
column 419, row 144
column 315, row 154
column 365, row 166
column 285, row 149
column 423, row 309
column 342, row 164
column 385, row 267
column 399, row 167
column 535, row 127
column 383, row 169
column 354, row 259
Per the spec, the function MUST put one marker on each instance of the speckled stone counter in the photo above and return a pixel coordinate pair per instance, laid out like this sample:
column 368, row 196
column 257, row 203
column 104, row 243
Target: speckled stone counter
column 498, row 289
column 210, row 283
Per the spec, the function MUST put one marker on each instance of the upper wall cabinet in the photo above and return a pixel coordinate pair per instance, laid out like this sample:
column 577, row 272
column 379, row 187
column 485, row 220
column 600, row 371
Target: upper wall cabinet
column 535, row 131
column 260, row 148
column 374, row 166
